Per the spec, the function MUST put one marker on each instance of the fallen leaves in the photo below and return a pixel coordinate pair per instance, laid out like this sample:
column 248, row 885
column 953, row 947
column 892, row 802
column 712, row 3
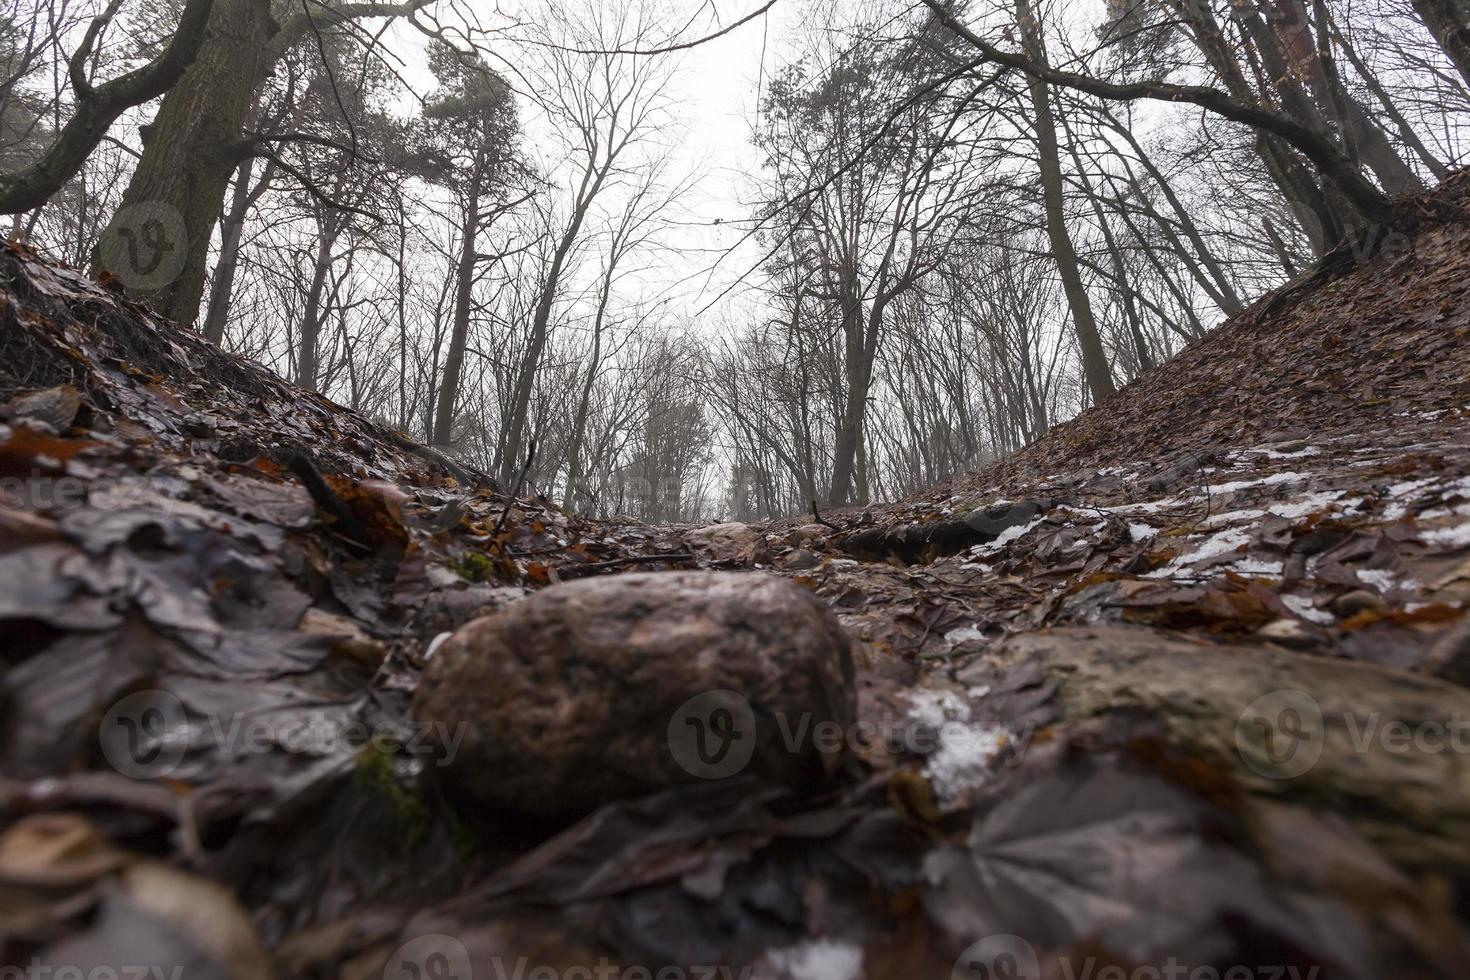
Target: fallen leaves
column 1230, row 604
column 26, row 450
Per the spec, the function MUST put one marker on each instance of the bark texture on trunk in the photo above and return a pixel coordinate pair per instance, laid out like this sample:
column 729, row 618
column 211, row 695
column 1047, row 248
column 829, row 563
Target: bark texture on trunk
column 1449, row 22
column 513, row 436
column 861, row 348
column 443, row 434
column 158, row 240
column 231, row 232
column 1095, row 366
column 311, row 321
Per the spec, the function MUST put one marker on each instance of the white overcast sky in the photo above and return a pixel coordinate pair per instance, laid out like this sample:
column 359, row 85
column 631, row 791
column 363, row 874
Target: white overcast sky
column 715, row 94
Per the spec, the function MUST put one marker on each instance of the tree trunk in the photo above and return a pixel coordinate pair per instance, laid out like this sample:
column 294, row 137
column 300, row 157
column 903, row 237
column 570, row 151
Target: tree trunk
column 1298, row 186
column 513, row 435
column 1401, row 124
column 1311, row 57
column 231, row 231
column 173, row 200
column 1120, row 270
column 1224, row 293
column 1094, row 359
column 311, row 320
column 584, row 400
column 860, row 348
column 1449, row 22
column 459, row 334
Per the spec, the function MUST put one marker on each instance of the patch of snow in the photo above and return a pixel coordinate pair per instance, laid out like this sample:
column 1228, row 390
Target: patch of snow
column 1300, row 507
column 1408, row 487
column 1306, row 505
column 1004, row 538
column 1255, row 566
column 1451, row 537
column 1142, row 532
column 1217, row 544
column 1154, row 506
column 1235, row 517
column 1303, row 607
column 962, row 761
column 1380, row 578
column 1265, row 481
column 1401, row 495
column 964, row 634
column 816, row 959
column 978, row 691
column 1012, row 533
column 935, row 706
column 1269, row 453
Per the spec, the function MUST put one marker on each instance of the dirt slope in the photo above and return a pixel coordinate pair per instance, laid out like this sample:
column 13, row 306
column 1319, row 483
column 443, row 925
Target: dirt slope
column 1375, row 339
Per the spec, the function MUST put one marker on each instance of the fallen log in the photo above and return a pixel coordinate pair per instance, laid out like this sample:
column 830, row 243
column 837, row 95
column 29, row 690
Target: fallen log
column 917, row 543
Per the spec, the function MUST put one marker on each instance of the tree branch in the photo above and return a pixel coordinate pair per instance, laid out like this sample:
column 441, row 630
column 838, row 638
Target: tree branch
column 98, row 108
column 1328, row 158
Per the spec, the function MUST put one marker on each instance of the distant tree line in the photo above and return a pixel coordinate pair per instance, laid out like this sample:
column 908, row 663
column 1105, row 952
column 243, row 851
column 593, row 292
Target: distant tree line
column 972, row 219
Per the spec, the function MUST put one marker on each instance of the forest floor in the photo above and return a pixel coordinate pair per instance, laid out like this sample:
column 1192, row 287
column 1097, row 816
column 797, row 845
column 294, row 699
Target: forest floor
column 1189, row 675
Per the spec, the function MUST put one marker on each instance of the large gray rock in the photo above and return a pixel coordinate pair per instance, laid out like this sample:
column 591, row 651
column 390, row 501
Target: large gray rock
column 609, row 688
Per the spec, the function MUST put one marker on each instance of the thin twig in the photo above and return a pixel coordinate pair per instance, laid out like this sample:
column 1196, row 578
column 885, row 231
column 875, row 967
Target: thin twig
column 822, row 520
column 1205, row 479
column 515, row 491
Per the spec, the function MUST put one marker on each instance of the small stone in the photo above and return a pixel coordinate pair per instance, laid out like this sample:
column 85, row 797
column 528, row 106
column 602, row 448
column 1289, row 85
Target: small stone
column 808, row 535
column 349, row 640
column 729, row 542
column 610, row 688
column 799, row 560
column 1287, row 632
column 1349, row 604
